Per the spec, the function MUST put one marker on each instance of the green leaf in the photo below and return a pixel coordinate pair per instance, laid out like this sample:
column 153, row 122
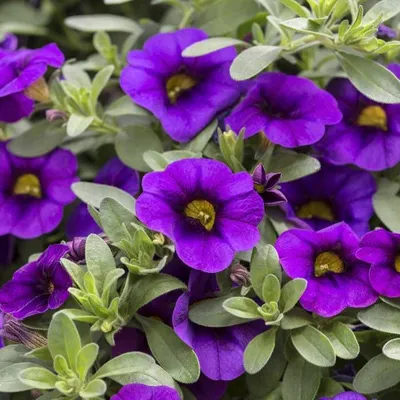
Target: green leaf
column 259, row 351
column 370, row 78
column 40, row 139
column 100, row 82
column 9, row 381
column 392, row 349
column 293, row 165
column 386, row 205
column 132, row 143
column 265, row 260
column 210, row 45
column 381, row 317
column 125, row 106
column 85, row 359
column 112, row 2
column 378, row 374
column 301, row 380
column 64, row 338
column 225, row 16
column 291, row 294
column 386, row 9
column 296, row 8
column 271, row 289
column 125, row 364
column 296, row 318
column 252, row 61
column 329, row 388
column 211, row 313
column 38, row 378
column 198, row 144
column 305, row 25
column 99, row 259
column 353, row 7
column 175, row 356
column 343, row 340
column 102, row 22
column 95, row 388
column 13, row 354
column 76, row 75
column 95, row 193
column 314, row 346
column 77, row 124
column 76, row 272
column 242, row 307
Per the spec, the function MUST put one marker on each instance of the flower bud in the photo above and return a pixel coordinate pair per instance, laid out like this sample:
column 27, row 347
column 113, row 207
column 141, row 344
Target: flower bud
column 240, row 275
column 38, row 91
column 76, row 250
column 53, row 115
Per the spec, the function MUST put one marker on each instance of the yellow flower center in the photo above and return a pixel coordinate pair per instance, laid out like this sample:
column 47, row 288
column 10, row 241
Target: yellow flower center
column 316, row 209
column 29, row 185
column 203, row 211
column 51, row 287
column 397, row 264
column 178, row 84
column 373, row 116
column 259, row 188
column 38, row 91
column 328, row 261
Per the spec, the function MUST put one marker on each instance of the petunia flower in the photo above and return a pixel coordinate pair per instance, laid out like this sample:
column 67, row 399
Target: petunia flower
column 184, row 93
column 336, row 279
column 209, row 212
column 113, row 173
column 138, row 391
column 291, row 111
column 346, row 396
column 220, row 350
column 266, row 186
column 331, row 195
column 34, row 191
column 8, row 43
column 369, row 134
column 381, row 249
column 38, row 286
column 22, row 82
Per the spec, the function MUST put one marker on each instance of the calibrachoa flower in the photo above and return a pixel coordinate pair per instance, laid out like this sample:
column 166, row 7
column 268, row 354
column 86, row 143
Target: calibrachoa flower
column 333, row 194
column 336, row 279
column 291, row 111
column 220, row 350
column 369, row 134
column 8, row 43
column 266, row 186
column 346, row 396
column 38, row 286
column 113, row 173
column 381, row 249
column 183, row 93
column 34, row 191
column 209, row 212
column 22, row 82
column 138, row 391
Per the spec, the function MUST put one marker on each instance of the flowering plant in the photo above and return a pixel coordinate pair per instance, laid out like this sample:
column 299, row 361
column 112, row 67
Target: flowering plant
column 199, row 199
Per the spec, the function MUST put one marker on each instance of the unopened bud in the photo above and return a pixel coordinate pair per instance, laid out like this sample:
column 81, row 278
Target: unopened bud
column 240, row 275
column 53, row 115
column 38, row 91
column 76, row 250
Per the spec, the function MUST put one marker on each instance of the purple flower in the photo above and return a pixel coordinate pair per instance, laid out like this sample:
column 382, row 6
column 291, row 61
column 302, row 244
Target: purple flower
column 333, row 194
column 336, row 279
column 290, row 110
column 206, row 210
column 113, row 173
column 183, row 93
column 21, row 80
column 346, row 396
column 7, row 249
column 220, row 350
column 138, row 391
column 369, row 134
column 381, row 249
column 386, row 32
column 38, row 286
column 266, row 186
column 34, row 191
column 8, row 43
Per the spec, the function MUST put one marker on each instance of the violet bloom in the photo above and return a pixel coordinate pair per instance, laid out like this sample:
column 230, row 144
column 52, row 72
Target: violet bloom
column 381, row 249
column 183, row 93
column 266, row 186
column 38, row 286
column 291, row 111
column 346, row 396
column 206, row 210
column 336, row 279
column 34, row 191
column 332, row 195
column 8, row 43
column 386, row 32
column 138, row 391
column 113, row 173
column 22, row 82
column 219, row 350
column 369, row 134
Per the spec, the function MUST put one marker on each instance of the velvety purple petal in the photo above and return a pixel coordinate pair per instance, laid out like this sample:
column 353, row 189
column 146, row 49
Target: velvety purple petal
column 235, row 185
column 241, row 236
column 378, row 247
column 6, row 177
column 10, row 214
column 385, row 279
column 349, row 396
column 15, row 107
column 129, row 339
column 52, row 255
column 346, row 95
column 138, row 391
column 60, row 191
column 7, row 249
column 38, row 305
column 60, row 164
column 49, row 54
column 297, row 243
column 207, row 389
column 81, row 223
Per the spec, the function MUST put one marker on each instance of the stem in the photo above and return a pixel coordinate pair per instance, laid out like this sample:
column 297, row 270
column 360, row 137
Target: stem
column 186, row 17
